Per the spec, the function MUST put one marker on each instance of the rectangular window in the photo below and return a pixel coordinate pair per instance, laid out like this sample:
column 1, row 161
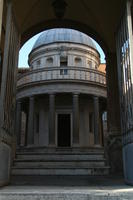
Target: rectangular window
column 63, row 71
column 63, row 63
column 104, row 116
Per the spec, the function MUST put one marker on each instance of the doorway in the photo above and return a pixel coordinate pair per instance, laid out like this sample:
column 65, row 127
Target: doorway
column 64, row 130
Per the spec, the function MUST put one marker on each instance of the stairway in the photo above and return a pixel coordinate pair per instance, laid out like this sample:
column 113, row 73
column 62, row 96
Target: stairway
column 42, row 161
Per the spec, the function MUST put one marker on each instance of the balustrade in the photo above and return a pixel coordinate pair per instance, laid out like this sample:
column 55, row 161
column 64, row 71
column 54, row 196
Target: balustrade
column 56, row 73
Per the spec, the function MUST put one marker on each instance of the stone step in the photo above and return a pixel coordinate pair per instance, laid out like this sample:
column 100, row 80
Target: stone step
column 56, row 161
column 99, row 171
column 59, row 195
column 54, row 164
column 67, row 188
column 59, row 157
column 61, row 150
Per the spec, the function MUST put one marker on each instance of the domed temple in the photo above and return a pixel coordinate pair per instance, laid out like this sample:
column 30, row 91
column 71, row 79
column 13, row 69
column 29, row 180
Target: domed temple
column 61, row 107
column 69, row 120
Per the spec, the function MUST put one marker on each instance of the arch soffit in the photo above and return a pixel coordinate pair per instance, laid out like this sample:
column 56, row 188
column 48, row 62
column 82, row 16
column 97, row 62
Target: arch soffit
column 64, row 24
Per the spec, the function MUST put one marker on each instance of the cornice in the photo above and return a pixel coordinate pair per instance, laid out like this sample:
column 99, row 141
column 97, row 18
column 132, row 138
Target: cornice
column 41, row 51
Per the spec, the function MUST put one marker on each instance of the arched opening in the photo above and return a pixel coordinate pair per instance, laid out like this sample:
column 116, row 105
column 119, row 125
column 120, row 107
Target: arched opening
column 63, row 61
column 70, row 116
column 49, row 62
column 82, row 75
column 78, row 61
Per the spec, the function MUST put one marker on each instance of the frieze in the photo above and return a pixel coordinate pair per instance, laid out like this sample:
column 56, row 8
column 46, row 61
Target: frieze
column 62, row 48
column 58, row 88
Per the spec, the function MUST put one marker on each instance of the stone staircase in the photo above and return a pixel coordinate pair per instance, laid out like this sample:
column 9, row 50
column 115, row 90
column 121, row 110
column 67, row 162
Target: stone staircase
column 71, row 161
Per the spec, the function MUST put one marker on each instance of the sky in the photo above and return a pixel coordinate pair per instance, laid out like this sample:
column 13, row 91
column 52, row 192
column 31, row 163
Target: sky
column 27, row 47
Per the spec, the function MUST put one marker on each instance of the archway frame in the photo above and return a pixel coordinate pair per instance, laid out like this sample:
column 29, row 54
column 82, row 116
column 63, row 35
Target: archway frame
column 110, row 54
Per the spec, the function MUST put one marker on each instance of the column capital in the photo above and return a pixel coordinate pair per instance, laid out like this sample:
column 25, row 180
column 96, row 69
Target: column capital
column 8, row 2
column 96, row 97
column 31, row 97
column 19, row 101
column 76, row 94
column 52, row 93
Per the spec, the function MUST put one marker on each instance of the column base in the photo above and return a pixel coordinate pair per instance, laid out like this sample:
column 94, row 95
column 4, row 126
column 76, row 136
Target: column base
column 29, row 145
column 97, row 145
column 5, row 166
column 75, row 145
column 113, row 151
column 128, row 163
column 52, row 146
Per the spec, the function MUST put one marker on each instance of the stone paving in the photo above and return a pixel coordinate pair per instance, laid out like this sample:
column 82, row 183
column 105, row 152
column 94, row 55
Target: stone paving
column 114, row 189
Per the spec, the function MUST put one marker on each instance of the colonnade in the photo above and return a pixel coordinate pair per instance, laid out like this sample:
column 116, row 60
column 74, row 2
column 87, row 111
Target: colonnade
column 75, row 111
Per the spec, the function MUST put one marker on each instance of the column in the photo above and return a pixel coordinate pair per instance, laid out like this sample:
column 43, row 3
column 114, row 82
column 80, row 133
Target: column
column 75, row 119
column 30, row 136
column 18, row 121
column 101, row 129
column 26, row 133
column 113, row 103
column 96, row 120
column 52, row 119
column 1, row 13
column 5, row 149
column 5, row 62
column 113, row 115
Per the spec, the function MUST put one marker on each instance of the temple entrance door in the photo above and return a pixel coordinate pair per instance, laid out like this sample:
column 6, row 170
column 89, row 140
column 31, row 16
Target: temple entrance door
column 64, row 130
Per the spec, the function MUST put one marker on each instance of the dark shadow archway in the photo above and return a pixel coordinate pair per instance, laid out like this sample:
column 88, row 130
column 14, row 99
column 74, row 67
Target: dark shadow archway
column 100, row 38
column 65, row 24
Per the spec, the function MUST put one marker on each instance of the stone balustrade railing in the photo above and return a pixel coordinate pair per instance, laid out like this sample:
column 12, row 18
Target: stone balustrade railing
column 62, row 73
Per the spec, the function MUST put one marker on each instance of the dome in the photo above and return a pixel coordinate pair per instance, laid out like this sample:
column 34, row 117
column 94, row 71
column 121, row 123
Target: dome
column 63, row 35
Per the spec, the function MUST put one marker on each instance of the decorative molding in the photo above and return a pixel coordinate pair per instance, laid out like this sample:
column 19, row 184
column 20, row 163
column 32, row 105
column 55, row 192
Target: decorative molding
column 42, row 69
column 39, row 51
column 61, row 87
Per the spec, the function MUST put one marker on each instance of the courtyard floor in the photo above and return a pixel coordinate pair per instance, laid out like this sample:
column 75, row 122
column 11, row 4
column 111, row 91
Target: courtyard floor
column 67, row 188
